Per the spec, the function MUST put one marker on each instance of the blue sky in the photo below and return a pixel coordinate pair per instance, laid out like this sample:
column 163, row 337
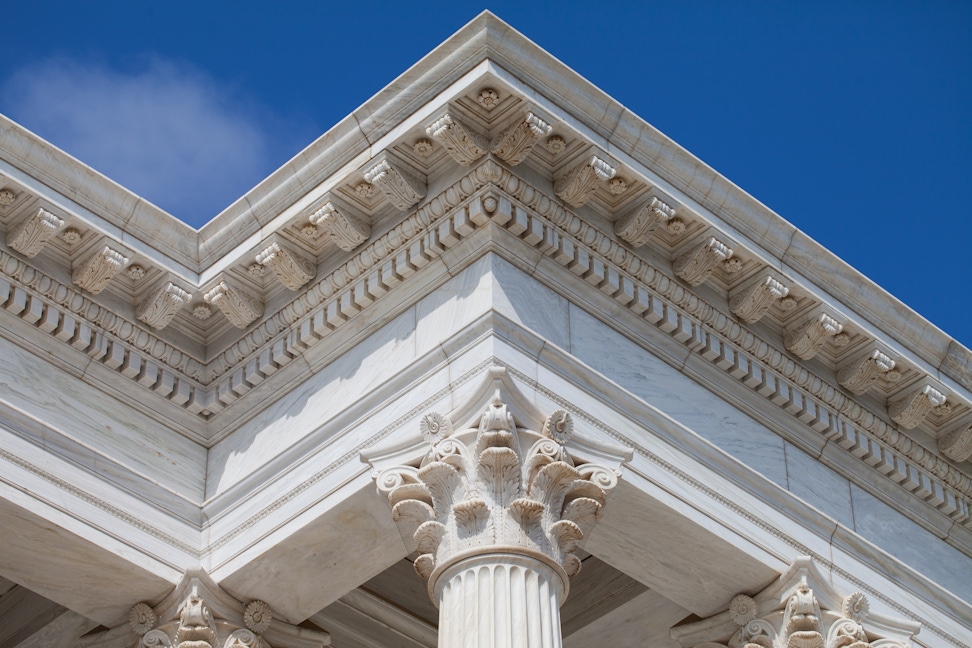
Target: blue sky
column 851, row 120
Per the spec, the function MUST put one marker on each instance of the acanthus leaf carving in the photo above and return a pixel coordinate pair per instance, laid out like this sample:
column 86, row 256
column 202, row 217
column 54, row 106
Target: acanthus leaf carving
column 161, row 304
column 805, row 339
column 515, row 143
column 638, row 226
column 579, row 183
column 239, row 305
column 30, row 236
column 94, row 272
column 291, row 269
column 343, row 224
column 696, row 264
column 908, row 410
column 957, row 444
column 400, row 184
column 461, row 142
column 754, row 298
column 861, row 372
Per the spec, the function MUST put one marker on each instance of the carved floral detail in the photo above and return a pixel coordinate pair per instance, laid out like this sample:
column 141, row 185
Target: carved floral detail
column 488, row 98
column 676, row 226
column 435, row 427
column 754, row 298
column 841, row 339
column 743, row 609
column 461, row 142
column 733, row 265
column 256, row 270
column 696, row 264
column 71, row 236
column 257, row 616
column 639, row 224
column 855, row 607
column 136, row 272
column 578, row 185
column 422, row 147
column 364, row 189
column 94, row 273
column 860, row 373
column 202, row 312
column 399, row 184
column 162, row 304
column 7, row 197
column 291, row 269
column 957, row 444
column 788, row 304
column 806, row 339
column 556, row 144
column 240, row 306
column 515, row 143
column 343, row 225
column 617, row 186
column 141, row 618
column 910, row 409
column 30, row 236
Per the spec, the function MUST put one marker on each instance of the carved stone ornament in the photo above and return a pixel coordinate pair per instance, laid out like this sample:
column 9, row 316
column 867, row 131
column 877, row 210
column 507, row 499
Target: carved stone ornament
column 555, row 144
column 291, row 269
column 7, row 197
column 344, row 225
column 800, row 610
column 161, row 304
column 751, row 301
column 515, row 143
column 805, row 339
column 94, row 272
column 578, row 185
column 857, row 375
column 957, row 444
column 696, row 264
column 461, row 142
column 909, row 409
column 639, row 224
column 30, row 236
column 199, row 614
column 399, row 183
column 239, row 305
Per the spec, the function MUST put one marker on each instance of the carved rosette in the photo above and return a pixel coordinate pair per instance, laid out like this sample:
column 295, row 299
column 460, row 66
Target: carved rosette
column 30, row 237
column 499, row 486
column 291, row 269
column 638, row 225
column 240, row 306
column 94, row 272
column 752, row 301
column 515, row 143
column 957, row 444
column 162, row 304
column 909, row 409
column 806, row 339
column 862, row 372
column 343, row 225
column 578, row 185
column 461, row 142
column 396, row 180
column 696, row 264
column 800, row 610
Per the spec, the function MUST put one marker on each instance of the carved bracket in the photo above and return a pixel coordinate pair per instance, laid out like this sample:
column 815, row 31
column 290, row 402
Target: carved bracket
column 804, row 340
column 239, row 305
column 343, row 224
column 858, row 374
column 30, row 237
column 578, row 185
column 515, row 143
column 909, row 409
column 161, row 304
column 696, row 264
column 94, row 272
column 461, row 142
column 398, row 181
column 957, row 444
column 639, row 224
column 291, row 269
column 751, row 300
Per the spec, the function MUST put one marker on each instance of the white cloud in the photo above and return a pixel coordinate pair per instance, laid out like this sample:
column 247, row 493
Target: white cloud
column 168, row 132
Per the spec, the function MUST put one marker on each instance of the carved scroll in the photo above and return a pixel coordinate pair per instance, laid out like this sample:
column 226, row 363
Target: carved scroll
column 396, row 180
column 30, row 237
column 860, row 373
column 162, row 304
column 515, row 143
column 240, row 306
column 754, row 298
column 957, row 444
column 94, row 272
column 805, row 340
column 342, row 224
column 697, row 264
column 291, row 269
column 638, row 225
column 578, row 185
column 461, row 142
column 910, row 409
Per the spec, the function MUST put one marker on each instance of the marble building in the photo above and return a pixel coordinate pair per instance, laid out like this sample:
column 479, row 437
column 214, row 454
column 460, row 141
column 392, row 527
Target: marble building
column 492, row 362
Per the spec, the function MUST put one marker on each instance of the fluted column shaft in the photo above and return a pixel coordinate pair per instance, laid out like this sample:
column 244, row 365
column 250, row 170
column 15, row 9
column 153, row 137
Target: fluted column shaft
column 499, row 600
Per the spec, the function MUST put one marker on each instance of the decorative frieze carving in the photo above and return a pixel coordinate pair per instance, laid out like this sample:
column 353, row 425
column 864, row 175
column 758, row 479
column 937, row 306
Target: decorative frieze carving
column 400, row 184
column 640, row 223
column 751, row 300
column 461, row 142
column 696, row 264
column 30, row 236
column 805, row 339
column 94, row 272
column 161, row 304
column 345, row 226
column 800, row 610
column 859, row 373
column 515, row 143
column 957, row 444
column 909, row 409
column 238, row 304
column 291, row 269
column 578, row 185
